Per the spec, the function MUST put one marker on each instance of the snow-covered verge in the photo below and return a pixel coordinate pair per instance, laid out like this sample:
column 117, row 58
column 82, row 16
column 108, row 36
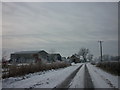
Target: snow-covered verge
column 21, row 70
column 102, row 79
column 47, row 79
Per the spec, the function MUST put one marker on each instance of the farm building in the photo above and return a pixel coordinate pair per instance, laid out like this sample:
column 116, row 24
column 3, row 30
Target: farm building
column 28, row 56
column 32, row 56
column 54, row 57
column 75, row 58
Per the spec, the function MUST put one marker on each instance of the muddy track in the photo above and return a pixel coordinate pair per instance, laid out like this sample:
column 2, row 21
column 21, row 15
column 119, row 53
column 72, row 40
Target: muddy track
column 67, row 81
column 87, row 79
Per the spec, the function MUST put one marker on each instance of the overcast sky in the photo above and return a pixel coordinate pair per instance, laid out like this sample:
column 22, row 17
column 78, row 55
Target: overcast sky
column 64, row 27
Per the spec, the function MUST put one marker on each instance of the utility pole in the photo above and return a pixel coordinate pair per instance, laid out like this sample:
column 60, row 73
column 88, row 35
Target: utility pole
column 100, row 49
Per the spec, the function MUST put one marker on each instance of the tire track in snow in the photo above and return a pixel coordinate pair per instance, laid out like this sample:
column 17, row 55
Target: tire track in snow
column 78, row 81
column 87, row 79
column 67, row 81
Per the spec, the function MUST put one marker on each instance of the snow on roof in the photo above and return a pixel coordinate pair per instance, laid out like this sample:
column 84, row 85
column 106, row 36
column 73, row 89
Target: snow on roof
column 30, row 52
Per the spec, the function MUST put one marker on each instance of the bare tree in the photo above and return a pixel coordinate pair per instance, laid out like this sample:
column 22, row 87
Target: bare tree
column 90, row 57
column 4, row 55
column 83, row 52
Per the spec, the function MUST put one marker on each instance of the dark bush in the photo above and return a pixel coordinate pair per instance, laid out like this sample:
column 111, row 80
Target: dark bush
column 15, row 70
column 112, row 67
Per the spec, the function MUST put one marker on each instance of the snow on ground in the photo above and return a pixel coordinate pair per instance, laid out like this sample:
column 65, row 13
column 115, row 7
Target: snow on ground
column 78, row 81
column 102, row 79
column 48, row 79
column 52, row 78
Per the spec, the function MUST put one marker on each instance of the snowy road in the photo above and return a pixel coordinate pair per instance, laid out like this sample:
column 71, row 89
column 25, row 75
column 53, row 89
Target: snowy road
column 87, row 79
column 97, row 78
column 76, row 76
column 67, row 81
column 102, row 79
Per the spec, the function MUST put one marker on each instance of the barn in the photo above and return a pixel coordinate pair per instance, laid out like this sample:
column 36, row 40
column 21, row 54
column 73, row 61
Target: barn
column 34, row 56
column 28, row 56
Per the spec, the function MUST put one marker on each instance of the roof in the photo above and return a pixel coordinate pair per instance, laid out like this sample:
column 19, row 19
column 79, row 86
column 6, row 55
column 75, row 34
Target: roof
column 55, row 54
column 29, row 52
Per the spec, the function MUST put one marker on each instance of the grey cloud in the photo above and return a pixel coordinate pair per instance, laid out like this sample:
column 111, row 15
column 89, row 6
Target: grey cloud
column 63, row 26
